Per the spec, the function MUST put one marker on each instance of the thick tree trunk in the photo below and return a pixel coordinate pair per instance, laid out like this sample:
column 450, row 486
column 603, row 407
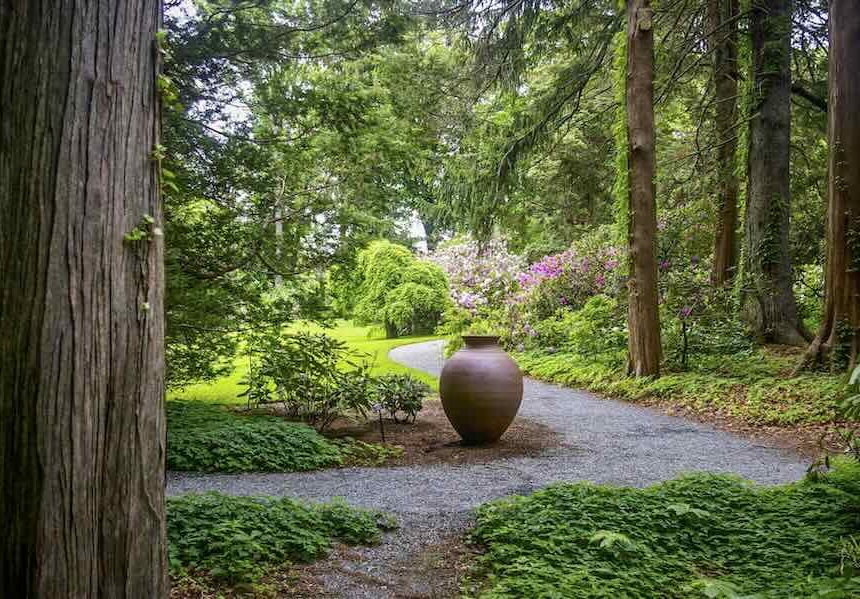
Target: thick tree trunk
column 839, row 338
column 723, row 41
column 643, row 317
column 769, row 303
column 82, row 429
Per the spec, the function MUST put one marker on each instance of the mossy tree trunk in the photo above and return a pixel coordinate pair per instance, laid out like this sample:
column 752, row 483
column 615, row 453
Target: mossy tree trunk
column 837, row 340
column 643, row 317
column 768, row 300
column 722, row 25
column 82, row 427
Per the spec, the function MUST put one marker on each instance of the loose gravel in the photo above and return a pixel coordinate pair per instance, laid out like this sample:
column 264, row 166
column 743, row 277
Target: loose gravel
column 604, row 441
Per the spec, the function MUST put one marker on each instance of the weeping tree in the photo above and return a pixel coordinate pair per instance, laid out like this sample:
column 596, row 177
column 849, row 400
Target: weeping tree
column 643, row 316
column 838, row 340
column 722, row 25
column 768, row 299
column 82, row 426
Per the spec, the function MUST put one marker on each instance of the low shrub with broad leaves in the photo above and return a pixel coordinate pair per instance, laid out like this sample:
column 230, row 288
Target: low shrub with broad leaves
column 401, row 395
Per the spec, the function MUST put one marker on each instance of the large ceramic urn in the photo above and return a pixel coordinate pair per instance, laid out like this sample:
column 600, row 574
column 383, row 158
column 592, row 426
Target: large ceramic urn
column 481, row 389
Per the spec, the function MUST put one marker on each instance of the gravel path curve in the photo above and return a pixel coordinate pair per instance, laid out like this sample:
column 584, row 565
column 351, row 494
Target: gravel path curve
column 604, row 441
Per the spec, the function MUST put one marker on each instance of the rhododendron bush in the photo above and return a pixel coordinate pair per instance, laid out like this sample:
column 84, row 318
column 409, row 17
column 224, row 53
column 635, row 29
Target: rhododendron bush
column 569, row 279
column 574, row 301
column 479, row 274
column 496, row 291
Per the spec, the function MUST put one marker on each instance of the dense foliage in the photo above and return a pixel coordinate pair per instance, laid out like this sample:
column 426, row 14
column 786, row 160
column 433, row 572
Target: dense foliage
column 204, row 437
column 699, row 535
column 239, row 539
column 401, row 394
column 395, row 289
column 321, row 139
column 315, row 377
column 482, row 275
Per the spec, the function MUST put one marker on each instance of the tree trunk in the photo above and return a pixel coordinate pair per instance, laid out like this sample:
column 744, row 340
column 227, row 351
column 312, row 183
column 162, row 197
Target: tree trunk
column 838, row 340
column 723, row 40
column 82, row 427
column 769, row 303
column 643, row 317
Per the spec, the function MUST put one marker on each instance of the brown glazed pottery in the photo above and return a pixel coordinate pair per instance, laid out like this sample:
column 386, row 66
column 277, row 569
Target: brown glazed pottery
column 481, row 389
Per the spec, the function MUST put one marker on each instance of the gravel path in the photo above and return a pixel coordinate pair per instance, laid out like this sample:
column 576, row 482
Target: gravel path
column 604, row 441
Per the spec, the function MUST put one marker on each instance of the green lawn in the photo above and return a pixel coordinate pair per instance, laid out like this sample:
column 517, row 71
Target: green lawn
column 368, row 340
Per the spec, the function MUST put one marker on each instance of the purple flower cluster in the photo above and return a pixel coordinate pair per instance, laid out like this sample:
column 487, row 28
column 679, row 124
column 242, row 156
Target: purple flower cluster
column 479, row 274
column 491, row 282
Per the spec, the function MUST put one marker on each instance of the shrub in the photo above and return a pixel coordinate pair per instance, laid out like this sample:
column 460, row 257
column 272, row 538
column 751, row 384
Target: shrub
column 417, row 303
column 237, row 539
column 399, row 291
column 697, row 319
column 597, row 330
column 481, row 275
column 569, row 279
column 209, row 438
column 305, row 372
column 688, row 537
column 401, row 393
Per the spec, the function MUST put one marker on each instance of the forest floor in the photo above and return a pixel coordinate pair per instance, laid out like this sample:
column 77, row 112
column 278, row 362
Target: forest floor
column 594, row 439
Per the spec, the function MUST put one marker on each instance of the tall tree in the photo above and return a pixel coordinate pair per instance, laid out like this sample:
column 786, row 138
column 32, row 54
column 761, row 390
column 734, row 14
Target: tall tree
column 769, row 303
column 722, row 24
column 82, row 427
column 838, row 337
column 643, row 317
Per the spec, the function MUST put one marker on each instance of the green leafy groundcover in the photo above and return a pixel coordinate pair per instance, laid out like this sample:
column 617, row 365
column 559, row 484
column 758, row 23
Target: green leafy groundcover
column 203, row 437
column 697, row 536
column 237, row 539
column 754, row 387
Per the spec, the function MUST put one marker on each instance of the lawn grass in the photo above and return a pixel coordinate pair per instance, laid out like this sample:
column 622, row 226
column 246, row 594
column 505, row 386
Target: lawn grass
column 370, row 342
column 701, row 535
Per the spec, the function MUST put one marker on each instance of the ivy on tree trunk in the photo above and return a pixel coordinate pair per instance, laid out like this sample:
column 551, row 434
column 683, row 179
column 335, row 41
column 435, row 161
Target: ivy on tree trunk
column 82, row 426
column 837, row 340
column 768, row 299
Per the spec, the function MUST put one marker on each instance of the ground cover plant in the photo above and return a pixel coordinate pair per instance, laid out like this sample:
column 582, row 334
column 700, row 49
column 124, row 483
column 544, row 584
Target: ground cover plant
column 205, row 437
column 701, row 535
column 238, row 539
column 756, row 387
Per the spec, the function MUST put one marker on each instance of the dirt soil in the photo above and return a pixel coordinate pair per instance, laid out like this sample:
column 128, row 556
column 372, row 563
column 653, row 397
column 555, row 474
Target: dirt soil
column 432, row 439
column 447, row 563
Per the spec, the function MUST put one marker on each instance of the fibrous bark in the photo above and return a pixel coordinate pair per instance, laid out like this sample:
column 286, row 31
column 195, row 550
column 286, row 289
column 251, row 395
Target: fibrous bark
column 82, row 428
column 838, row 340
column 643, row 316
column 722, row 24
column 769, row 303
